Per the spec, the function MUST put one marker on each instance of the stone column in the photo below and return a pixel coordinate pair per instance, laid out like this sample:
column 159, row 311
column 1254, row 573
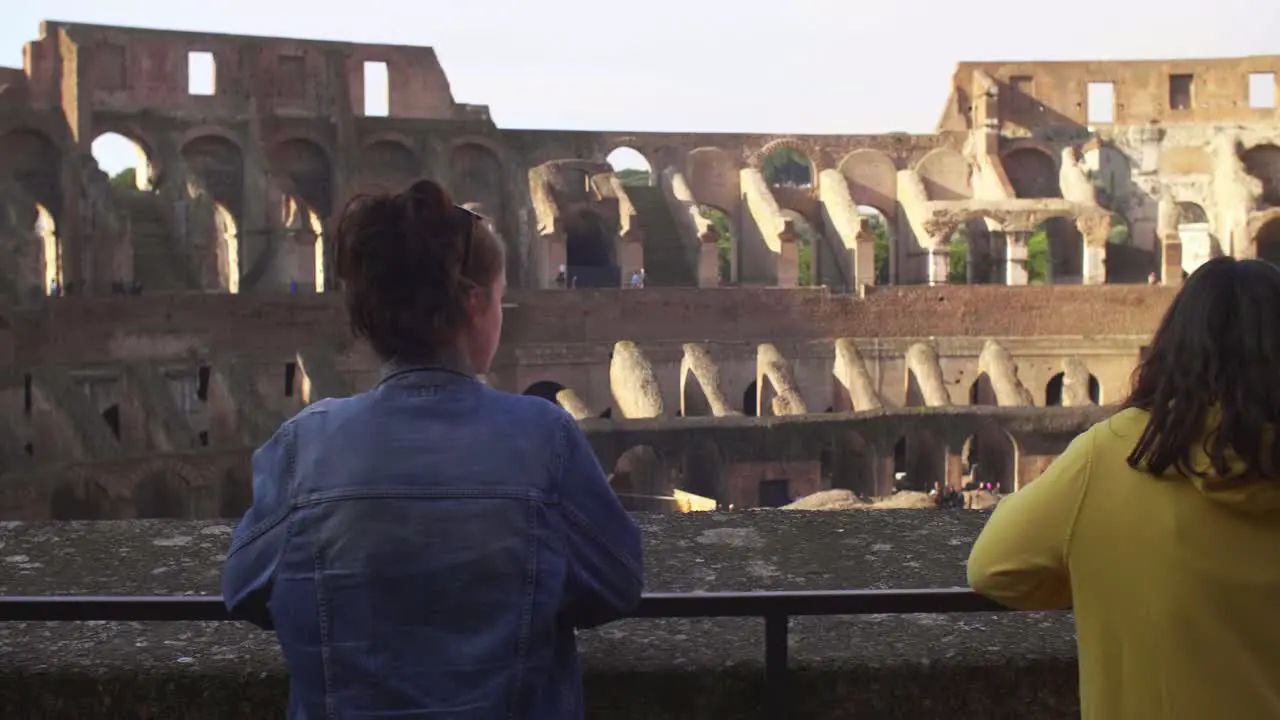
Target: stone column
column 1171, row 261
column 1095, row 227
column 938, row 264
column 1015, row 257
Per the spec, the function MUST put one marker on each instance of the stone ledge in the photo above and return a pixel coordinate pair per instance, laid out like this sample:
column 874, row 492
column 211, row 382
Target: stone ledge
column 918, row 666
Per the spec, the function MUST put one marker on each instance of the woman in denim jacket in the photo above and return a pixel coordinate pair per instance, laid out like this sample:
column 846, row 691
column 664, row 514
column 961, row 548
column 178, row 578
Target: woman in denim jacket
column 427, row 548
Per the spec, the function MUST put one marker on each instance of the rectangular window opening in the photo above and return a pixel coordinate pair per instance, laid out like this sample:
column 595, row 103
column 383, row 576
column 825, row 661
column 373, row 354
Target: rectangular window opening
column 290, row 378
column 377, row 89
column 202, row 383
column 1262, row 91
column 202, row 73
column 1100, row 103
column 1180, row 91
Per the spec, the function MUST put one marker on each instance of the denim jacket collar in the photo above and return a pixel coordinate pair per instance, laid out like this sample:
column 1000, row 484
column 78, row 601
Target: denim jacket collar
column 451, row 362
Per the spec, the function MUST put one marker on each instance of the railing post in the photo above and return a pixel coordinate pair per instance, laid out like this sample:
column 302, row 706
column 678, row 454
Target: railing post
column 775, row 666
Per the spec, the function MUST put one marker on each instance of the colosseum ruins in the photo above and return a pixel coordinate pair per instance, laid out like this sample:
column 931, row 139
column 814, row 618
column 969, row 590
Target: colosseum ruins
column 839, row 311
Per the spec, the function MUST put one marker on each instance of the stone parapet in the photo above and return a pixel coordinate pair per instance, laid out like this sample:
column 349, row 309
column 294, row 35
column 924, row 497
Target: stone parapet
column 912, row 666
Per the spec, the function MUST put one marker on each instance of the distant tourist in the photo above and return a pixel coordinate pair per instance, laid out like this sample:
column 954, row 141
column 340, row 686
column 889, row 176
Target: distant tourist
column 561, row 277
column 55, row 290
column 637, row 279
column 427, row 548
column 293, row 287
column 1153, row 279
column 1161, row 525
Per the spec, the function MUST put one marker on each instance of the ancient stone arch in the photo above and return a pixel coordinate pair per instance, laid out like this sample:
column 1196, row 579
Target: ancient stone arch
column 704, row 466
column 1032, row 173
column 760, row 160
column 545, row 389
column 712, row 174
column 151, row 166
column 1266, row 241
column 476, row 175
column 306, row 165
column 1053, row 390
column 389, row 162
column 1263, row 162
column 34, row 161
column 218, row 164
column 946, row 175
column 873, row 179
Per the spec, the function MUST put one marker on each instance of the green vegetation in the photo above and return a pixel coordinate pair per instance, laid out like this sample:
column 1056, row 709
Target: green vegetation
column 1038, row 257
column 878, row 228
column 724, row 243
column 787, row 166
column 126, row 179
column 634, row 177
column 1119, row 234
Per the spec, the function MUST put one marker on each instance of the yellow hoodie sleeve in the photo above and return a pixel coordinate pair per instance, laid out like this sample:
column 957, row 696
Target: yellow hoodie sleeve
column 1020, row 557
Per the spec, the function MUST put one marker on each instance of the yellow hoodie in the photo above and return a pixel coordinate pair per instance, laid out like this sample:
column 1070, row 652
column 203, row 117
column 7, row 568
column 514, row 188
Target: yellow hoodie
column 1175, row 582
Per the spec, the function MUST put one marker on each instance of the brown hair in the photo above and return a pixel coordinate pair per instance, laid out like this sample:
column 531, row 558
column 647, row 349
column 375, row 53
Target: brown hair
column 1214, row 358
column 407, row 262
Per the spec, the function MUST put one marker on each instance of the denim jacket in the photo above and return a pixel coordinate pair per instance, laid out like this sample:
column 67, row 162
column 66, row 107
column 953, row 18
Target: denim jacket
column 426, row 549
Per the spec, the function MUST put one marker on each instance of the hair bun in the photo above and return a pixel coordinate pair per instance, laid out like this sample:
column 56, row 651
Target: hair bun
column 431, row 200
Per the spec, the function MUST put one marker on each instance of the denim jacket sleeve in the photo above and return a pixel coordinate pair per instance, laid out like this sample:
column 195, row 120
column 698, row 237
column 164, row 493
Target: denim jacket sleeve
column 258, row 541
column 606, row 566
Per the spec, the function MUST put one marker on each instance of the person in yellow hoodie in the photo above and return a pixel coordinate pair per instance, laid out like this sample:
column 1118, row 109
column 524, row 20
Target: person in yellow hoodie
column 1160, row 526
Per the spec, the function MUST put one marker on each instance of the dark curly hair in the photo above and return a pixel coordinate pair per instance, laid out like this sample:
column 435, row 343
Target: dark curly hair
column 1216, row 350
column 407, row 262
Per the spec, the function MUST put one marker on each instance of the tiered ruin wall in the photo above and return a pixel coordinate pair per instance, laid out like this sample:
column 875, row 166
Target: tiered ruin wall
column 242, row 180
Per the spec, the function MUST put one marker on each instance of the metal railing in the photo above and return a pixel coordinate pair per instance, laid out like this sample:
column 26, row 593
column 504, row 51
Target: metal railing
column 776, row 608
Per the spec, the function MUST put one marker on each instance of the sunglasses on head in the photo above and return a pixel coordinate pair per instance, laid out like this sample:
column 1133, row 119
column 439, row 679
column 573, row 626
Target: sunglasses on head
column 467, row 220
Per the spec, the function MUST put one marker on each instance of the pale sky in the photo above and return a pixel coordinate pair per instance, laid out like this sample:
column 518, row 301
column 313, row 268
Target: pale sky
column 803, row 66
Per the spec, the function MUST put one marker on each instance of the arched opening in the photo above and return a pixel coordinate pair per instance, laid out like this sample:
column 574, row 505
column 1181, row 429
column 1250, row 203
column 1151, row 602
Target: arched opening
column 631, row 167
column 85, row 500
column 693, row 397
column 981, row 392
column 702, row 471
column 1055, row 253
column 1263, row 162
column 1053, row 390
column 236, row 494
column 46, row 229
column 1126, row 262
column 112, row 417
column 852, row 465
column 726, row 243
column 590, row 251
column 749, row 400
column 545, row 389
column 390, row 163
column 641, row 481
column 227, row 248
column 125, row 161
column 807, row 239
column 215, row 168
column 309, row 204
column 787, row 167
column 958, row 250
column 1110, row 173
column 919, row 462
column 879, row 226
column 1032, row 173
column 161, row 495
column 988, row 458
column 1267, row 242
